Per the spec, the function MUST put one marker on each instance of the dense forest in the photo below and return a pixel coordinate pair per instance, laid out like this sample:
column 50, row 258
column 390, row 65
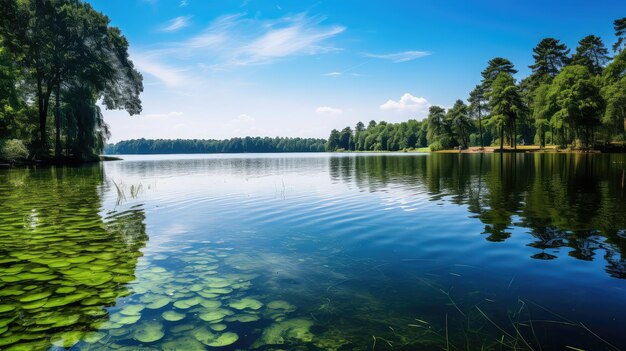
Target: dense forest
column 234, row 145
column 575, row 100
column 59, row 61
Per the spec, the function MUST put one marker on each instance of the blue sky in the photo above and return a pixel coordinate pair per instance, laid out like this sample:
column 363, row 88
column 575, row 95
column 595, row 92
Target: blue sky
column 219, row 69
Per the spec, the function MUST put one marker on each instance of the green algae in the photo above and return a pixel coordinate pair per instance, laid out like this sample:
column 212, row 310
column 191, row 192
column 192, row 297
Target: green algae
column 292, row 330
column 281, row 306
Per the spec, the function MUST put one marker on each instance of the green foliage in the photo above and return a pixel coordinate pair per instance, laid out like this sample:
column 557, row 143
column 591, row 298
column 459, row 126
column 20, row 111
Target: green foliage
column 69, row 57
column 550, row 55
column 620, row 32
column 196, row 146
column 578, row 100
column 13, row 150
column 591, row 53
column 460, row 124
column 575, row 97
column 507, row 107
column 494, row 68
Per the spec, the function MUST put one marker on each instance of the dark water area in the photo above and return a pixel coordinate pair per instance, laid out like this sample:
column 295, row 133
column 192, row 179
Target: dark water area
column 316, row 252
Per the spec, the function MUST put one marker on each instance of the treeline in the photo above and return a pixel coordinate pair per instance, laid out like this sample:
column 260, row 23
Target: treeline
column 58, row 60
column 573, row 100
column 201, row 146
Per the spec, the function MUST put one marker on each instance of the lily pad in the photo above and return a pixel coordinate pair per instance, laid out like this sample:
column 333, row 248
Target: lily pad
column 158, row 302
column 124, row 319
column 246, row 303
column 67, row 339
column 224, row 340
column 187, row 303
column 218, row 327
column 186, row 343
column 149, row 332
column 6, row 308
column 172, row 316
column 132, row 310
column 214, row 315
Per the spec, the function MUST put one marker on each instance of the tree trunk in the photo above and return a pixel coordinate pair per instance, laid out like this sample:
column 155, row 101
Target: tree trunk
column 42, row 114
column 480, row 129
column 501, row 139
column 57, row 121
column 43, row 102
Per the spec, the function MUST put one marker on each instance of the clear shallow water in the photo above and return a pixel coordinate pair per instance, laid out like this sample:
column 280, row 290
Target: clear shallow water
column 316, row 252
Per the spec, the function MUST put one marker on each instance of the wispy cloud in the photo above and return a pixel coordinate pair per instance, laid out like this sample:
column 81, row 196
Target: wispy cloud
column 407, row 103
column 176, row 23
column 170, row 76
column 328, row 110
column 399, row 57
column 333, row 74
column 289, row 36
column 234, row 40
column 183, row 3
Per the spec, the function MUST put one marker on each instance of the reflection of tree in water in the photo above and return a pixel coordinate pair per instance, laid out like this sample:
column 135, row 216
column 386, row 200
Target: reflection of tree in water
column 61, row 263
column 565, row 200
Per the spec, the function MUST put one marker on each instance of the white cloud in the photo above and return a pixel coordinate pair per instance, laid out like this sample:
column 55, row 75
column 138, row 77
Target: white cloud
column 234, row 40
column 176, row 23
column 300, row 36
column 328, row 110
column 333, row 74
column 183, row 3
column 399, row 57
column 407, row 103
column 170, row 76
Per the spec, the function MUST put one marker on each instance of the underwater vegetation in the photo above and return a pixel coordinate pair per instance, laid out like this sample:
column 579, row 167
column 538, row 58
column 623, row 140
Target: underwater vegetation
column 88, row 262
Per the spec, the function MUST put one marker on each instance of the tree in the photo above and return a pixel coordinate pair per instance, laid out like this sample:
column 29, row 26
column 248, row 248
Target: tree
column 346, row 139
column 477, row 108
column 438, row 129
column 461, row 125
column 614, row 93
column 506, row 106
column 333, row 140
column 542, row 111
column 65, row 45
column 575, row 93
column 359, row 127
column 620, row 32
column 550, row 55
column 496, row 66
column 591, row 53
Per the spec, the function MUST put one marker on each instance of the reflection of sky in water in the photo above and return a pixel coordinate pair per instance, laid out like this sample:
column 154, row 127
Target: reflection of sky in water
column 380, row 230
column 369, row 247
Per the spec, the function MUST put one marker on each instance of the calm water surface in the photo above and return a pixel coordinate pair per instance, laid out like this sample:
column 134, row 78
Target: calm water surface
column 316, row 252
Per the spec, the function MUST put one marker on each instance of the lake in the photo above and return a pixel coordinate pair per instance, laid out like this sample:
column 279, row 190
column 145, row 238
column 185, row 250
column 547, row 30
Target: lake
column 316, row 252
